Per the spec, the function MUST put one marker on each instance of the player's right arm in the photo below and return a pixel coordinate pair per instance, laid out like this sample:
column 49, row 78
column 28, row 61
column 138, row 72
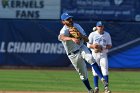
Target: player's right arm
column 90, row 43
column 62, row 37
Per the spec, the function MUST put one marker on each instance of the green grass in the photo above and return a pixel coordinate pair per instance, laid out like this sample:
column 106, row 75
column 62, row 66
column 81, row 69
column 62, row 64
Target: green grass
column 56, row 80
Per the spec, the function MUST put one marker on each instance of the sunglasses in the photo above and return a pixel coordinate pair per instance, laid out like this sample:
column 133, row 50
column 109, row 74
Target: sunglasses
column 100, row 26
column 68, row 19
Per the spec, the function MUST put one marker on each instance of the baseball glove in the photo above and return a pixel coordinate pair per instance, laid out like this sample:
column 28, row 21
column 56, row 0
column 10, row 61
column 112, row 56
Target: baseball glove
column 74, row 32
column 98, row 48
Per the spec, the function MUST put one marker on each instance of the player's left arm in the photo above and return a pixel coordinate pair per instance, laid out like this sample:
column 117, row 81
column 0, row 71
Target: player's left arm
column 109, row 43
column 85, row 38
column 83, row 34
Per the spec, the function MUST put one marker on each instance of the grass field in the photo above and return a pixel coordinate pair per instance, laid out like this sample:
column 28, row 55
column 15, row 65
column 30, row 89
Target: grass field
column 64, row 81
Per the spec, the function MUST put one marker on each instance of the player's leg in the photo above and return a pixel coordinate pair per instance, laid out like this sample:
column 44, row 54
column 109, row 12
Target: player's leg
column 89, row 58
column 104, row 68
column 96, row 78
column 81, row 68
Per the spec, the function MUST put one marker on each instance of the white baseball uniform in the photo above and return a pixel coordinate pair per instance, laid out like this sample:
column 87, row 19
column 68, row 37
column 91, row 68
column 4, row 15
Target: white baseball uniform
column 100, row 57
column 77, row 53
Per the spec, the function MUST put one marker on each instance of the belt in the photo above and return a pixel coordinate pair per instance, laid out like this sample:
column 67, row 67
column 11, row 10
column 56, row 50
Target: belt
column 73, row 52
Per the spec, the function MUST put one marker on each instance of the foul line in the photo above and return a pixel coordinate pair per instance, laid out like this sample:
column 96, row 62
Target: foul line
column 126, row 44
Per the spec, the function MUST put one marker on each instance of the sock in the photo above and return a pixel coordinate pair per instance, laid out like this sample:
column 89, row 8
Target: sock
column 86, row 82
column 95, row 81
column 97, row 70
column 106, row 78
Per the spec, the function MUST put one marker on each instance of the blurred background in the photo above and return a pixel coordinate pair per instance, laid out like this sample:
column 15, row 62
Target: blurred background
column 29, row 30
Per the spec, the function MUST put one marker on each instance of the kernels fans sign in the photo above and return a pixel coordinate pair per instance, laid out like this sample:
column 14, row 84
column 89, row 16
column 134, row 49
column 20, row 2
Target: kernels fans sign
column 30, row 9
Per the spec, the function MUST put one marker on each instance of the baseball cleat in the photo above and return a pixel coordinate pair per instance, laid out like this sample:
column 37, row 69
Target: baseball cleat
column 91, row 91
column 96, row 90
column 104, row 82
column 107, row 90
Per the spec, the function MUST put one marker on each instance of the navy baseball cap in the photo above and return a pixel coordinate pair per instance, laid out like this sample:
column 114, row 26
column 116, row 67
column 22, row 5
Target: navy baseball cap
column 99, row 23
column 65, row 16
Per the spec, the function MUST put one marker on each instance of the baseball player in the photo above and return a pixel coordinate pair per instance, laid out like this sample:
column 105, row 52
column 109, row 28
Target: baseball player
column 77, row 52
column 99, row 43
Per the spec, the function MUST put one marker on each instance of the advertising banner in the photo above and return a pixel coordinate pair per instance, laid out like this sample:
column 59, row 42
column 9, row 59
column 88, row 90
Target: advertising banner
column 35, row 43
column 31, row 43
column 30, row 9
column 122, row 10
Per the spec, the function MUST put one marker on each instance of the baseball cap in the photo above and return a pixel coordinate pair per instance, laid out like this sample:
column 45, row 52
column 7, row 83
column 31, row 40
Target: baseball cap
column 65, row 16
column 99, row 23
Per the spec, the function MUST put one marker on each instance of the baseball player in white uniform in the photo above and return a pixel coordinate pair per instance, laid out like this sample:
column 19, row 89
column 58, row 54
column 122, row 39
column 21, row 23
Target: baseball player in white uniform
column 100, row 40
column 77, row 52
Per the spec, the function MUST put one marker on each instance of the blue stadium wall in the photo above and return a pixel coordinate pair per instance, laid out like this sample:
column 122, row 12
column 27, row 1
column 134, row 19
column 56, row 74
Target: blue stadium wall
column 34, row 43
